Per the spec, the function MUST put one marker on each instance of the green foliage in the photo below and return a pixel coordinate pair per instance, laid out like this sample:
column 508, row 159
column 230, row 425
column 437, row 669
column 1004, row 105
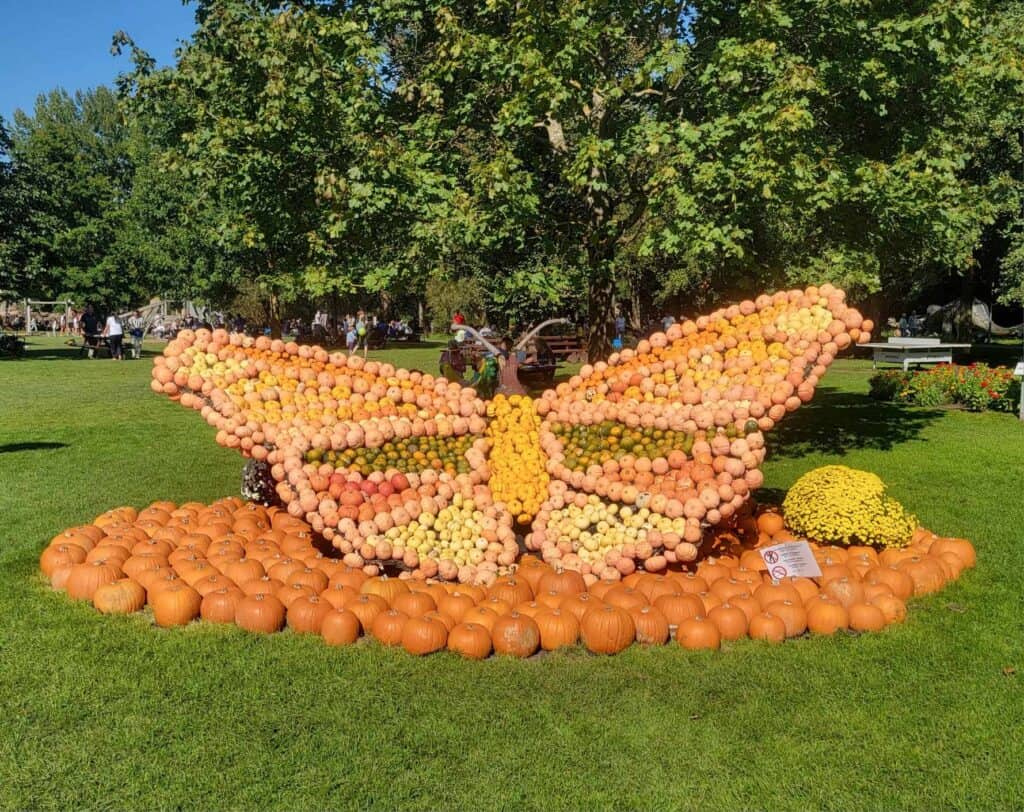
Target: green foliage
column 639, row 149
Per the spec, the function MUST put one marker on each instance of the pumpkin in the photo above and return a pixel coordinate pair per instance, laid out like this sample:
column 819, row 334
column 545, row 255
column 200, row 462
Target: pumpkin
column 260, row 612
column 793, row 614
column 625, row 597
column 414, row 604
column 386, row 588
column 59, row 577
column 768, row 627
column 446, row 620
column 899, row 582
column 266, row 585
column 607, row 630
column 220, row 605
column 515, row 634
column 745, row 602
column 290, row 593
column 678, row 608
column 421, row 635
column 599, row 589
column 846, row 590
column 553, row 600
column 866, row 617
column 340, row 628
column 961, row 548
column 730, row 621
column 826, row 616
column 925, row 572
column 310, row 577
column 471, row 640
column 770, row 593
column 654, row 586
column 770, row 524
column 651, row 625
column 497, row 605
column 691, row 583
column 366, row 608
column 85, row 578
column 244, row 570
column 562, row 581
column 894, row 610
column 578, row 605
column 387, row 627
column 306, row 614
column 698, row 633
column 456, row 604
column 349, row 576
column 337, row 596
column 175, row 605
column 511, row 590
column 121, row 597
column 558, row 628
column 211, row 583
column 60, row 555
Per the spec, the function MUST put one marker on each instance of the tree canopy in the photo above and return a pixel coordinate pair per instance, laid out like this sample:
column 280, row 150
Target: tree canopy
column 582, row 156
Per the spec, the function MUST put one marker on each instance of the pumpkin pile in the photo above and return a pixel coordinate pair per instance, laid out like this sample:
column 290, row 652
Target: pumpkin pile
column 259, row 568
column 372, row 457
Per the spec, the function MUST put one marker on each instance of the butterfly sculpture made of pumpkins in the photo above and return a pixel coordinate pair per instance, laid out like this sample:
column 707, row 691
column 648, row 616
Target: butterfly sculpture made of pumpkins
column 638, row 455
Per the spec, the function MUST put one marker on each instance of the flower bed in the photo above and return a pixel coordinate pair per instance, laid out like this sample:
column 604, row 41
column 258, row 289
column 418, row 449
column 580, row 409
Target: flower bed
column 975, row 387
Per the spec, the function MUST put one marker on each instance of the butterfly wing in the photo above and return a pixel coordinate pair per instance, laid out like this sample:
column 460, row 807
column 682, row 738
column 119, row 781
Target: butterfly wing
column 675, row 428
column 355, row 447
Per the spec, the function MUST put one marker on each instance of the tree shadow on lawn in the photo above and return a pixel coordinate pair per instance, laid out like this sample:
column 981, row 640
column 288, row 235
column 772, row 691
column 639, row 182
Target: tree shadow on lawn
column 837, row 422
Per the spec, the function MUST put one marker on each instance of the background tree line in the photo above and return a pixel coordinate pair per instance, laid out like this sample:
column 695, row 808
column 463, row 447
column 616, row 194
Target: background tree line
column 520, row 158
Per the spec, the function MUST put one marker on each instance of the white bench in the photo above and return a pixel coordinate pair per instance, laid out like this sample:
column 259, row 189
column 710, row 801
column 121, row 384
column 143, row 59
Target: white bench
column 907, row 351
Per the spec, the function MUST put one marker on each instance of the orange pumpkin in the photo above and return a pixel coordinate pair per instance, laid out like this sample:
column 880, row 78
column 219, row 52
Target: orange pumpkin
column 306, row 614
column 515, row 634
column 421, row 635
column 175, row 605
column 85, row 578
column 557, row 628
column 730, row 621
column 607, row 630
column 768, row 627
column 121, row 597
column 698, row 633
column 220, row 605
column 651, row 625
column 826, row 616
column 866, row 617
column 260, row 612
column 340, row 628
column 471, row 640
column 388, row 626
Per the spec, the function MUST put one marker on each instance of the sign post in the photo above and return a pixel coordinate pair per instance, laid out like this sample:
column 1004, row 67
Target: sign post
column 792, row 559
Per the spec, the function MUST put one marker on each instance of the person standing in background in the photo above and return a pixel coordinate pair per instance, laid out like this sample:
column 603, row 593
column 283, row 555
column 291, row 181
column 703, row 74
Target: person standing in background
column 136, row 329
column 458, row 318
column 114, row 333
column 90, row 328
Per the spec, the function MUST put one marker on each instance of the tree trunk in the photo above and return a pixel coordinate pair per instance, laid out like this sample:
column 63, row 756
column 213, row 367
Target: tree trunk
column 600, row 313
column 274, row 314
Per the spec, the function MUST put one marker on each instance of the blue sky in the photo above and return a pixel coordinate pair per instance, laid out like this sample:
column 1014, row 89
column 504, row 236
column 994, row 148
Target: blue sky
column 66, row 43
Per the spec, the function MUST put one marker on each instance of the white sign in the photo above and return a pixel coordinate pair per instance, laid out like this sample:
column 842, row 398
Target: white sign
column 1018, row 371
column 793, row 559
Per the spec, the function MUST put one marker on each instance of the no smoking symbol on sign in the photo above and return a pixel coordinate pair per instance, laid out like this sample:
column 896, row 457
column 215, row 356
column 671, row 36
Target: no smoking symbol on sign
column 779, row 572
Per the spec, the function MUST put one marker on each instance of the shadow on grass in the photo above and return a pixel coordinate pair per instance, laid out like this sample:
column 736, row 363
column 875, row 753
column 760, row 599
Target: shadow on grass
column 69, row 352
column 11, row 448
column 837, row 422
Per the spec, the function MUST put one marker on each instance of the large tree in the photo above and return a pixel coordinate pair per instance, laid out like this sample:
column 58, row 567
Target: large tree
column 640, row 147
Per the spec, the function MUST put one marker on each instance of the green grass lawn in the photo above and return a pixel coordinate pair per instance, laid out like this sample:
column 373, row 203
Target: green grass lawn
column 111, row 712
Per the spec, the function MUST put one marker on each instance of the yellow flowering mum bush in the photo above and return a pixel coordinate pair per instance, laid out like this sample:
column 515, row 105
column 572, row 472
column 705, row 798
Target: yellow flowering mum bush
column 839, row 505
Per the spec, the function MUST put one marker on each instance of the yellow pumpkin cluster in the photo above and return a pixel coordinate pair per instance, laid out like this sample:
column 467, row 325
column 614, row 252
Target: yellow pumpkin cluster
column 519, row 476
column 839, row 505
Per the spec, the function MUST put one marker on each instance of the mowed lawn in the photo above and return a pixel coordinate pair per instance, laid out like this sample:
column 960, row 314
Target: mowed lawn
column 112, row 712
